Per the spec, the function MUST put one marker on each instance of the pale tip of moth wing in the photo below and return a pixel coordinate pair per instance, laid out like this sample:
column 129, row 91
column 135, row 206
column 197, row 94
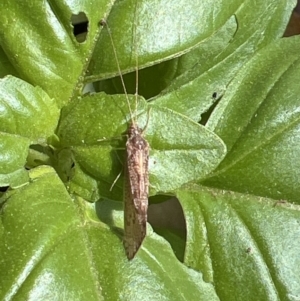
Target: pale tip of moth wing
column 131, row 248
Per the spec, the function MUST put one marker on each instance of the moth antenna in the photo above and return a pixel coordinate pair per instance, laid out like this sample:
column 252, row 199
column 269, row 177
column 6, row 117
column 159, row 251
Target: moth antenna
column 104, row 23
column 136, row 58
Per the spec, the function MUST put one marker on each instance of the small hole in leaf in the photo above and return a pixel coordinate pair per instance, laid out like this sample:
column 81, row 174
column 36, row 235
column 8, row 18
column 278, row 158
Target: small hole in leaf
column 80, row 25
column 249, row 250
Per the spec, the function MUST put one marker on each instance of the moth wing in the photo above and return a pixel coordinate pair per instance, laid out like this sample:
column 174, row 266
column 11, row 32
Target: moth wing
column 134, row 220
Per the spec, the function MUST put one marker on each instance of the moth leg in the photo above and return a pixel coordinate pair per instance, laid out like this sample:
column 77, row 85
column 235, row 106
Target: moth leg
column 118, row 176
column 111, row 138
column 115, row 181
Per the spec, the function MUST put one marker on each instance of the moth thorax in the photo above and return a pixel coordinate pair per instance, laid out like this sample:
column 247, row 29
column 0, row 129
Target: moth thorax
column 134, row 130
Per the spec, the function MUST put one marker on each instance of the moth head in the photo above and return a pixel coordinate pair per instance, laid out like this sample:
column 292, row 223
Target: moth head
column 134, row 130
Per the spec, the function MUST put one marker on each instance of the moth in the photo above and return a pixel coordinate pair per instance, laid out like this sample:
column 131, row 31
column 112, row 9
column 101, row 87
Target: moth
column 136, row 182
column 136, row 190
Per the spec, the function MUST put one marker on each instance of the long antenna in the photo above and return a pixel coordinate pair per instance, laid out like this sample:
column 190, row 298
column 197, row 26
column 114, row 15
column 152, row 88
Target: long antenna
column 136, row 56
column 103, row 22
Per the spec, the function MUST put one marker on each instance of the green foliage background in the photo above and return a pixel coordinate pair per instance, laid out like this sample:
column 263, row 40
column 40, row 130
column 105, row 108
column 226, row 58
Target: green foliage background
column 221, row 96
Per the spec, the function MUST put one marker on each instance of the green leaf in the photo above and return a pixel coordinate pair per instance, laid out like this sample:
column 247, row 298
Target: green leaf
column 26, row 110
column 181, row 150
column 192, row 86
column 68, row 252
column 258, row 119
column 242, row 243
column 210, row 67
column 5, row 66
column 217, row 54
column 28, row 116
column 47, row 53
column 165, row 31
column 55, row 243
column 13, row 153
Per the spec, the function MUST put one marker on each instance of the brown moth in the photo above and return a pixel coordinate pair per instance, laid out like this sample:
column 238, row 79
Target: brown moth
column 136, row 182
column 136, row 190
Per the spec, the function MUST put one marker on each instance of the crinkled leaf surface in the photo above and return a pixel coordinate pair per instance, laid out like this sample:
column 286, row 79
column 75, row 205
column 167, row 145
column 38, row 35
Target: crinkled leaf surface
column 218, row 50
column 13, row 153
column 26, row 110
column 55, row 248
column 247, row 246
column 190, row 93
column 258, row 119
column 28, row 115
column 181, row 150
column 156, row 29
column 209, row 68
column 47, row 53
